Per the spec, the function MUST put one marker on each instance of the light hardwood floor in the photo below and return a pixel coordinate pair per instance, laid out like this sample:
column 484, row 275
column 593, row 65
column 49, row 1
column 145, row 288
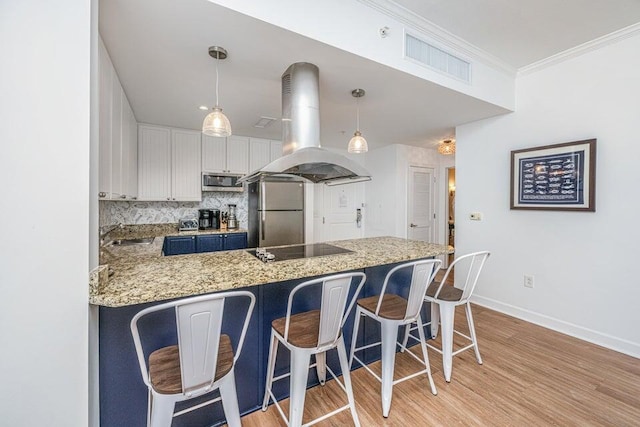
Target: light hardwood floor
column 531, row 376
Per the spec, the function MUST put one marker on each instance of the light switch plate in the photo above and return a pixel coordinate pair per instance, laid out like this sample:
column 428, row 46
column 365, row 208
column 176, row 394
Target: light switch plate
column 475, row 216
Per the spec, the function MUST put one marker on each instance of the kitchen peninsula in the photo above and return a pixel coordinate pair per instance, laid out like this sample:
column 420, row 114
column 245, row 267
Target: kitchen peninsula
column 142, row 277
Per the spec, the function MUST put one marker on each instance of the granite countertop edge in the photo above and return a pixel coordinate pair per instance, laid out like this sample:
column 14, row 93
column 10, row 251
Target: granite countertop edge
column 142, row 275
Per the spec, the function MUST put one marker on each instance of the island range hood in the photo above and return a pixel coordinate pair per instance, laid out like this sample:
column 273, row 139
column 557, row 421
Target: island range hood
column 302, row 154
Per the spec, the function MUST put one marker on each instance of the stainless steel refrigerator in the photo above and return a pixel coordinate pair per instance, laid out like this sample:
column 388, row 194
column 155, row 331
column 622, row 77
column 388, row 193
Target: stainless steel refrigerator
column 276, row 213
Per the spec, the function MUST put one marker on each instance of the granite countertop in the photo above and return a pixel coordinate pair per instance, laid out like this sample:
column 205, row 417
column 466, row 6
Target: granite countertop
column 141, row 274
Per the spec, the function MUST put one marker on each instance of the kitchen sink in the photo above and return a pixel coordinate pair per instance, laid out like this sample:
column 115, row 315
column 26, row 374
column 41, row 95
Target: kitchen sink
column 127, row 242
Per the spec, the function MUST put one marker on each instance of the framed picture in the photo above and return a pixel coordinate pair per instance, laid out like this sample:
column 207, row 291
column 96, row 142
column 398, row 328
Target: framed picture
column 558, row 177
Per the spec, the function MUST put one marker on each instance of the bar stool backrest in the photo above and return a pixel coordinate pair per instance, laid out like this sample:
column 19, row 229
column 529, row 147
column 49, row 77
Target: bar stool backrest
column 333, row 309
column 199, row 326
column 467, row 271
column 422, row 274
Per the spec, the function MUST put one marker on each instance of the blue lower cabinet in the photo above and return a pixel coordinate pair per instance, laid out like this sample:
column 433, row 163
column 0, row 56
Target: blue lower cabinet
column 179, row 245
column 210, row 243
column 235, row 241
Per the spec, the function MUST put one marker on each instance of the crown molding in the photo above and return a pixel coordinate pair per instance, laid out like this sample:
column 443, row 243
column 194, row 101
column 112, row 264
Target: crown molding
column 439, row 34
column 581, row 49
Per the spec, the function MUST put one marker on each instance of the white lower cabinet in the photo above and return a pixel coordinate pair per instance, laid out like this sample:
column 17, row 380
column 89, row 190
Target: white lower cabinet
column 168, row 164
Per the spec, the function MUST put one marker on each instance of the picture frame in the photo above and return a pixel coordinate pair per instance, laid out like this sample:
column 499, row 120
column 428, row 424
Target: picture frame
column 559, row 177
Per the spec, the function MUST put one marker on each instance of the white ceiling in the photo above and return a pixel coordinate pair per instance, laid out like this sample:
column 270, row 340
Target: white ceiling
column 159, row 49
column 521, row 32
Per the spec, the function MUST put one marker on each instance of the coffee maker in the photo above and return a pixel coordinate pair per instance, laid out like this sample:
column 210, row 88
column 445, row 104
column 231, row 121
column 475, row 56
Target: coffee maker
column 204, row 219
column 208, row 219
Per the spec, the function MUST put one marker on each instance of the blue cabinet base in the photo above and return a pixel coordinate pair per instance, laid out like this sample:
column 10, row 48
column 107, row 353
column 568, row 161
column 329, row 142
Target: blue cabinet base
column 123, row 395
column 181, row 245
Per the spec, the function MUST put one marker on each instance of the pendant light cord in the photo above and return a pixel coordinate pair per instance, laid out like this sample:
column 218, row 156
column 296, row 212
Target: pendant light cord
column 217, row 60
column 358, row 114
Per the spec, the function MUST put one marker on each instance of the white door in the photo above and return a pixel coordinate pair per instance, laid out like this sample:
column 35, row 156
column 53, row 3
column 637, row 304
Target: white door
column 421, row 204
column 342, row 204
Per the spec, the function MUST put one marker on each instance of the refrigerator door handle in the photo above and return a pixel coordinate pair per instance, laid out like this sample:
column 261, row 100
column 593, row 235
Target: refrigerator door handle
column 262, row 223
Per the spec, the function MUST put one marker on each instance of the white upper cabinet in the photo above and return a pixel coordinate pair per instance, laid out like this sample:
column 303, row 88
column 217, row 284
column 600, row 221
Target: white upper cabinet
column 116, row 138
column 104, row 96
column 276, row 150
column 185, row 165
column 154, row 163
column 117, row 135
column 263, row 152
column 214, row 154
column 129, row 146
column 225, row 155
column 169, row 164
column 259, row 153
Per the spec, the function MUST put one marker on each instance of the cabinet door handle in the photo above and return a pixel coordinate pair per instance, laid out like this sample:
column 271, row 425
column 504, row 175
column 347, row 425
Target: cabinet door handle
column 412, row 225
column 168, row 198
column 124, row 196
column 102, row 194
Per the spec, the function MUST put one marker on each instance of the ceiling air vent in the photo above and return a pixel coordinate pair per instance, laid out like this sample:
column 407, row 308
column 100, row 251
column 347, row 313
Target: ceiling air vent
column 437, row 58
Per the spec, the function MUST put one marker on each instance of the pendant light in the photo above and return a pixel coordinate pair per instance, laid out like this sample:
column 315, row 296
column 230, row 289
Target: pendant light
column 216, row 123
column 447, row 147
column 357, row 144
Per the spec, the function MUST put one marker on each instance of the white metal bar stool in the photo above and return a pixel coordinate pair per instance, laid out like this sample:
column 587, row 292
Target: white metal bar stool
column 393, row 311
column 444, row 299
column 202, row 361
column 313, row 332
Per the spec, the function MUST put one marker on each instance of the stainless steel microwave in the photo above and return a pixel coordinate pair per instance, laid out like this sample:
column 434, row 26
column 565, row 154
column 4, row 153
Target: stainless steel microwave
column 221, row 182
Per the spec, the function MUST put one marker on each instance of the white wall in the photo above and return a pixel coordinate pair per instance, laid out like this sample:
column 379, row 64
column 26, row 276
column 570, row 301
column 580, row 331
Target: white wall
column 386, row 195
column 353, row 26
column 45, row 258
column 586, row 281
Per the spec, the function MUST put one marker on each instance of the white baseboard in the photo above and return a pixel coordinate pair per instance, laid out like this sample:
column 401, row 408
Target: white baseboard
column 595, row 337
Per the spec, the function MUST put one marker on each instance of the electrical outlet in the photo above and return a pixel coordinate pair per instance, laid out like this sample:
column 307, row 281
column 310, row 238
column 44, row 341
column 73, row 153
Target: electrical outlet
column 475, row 216
column 528, row 281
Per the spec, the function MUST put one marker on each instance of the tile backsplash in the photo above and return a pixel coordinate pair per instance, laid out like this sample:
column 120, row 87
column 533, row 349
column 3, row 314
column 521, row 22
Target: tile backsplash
column 137, row 212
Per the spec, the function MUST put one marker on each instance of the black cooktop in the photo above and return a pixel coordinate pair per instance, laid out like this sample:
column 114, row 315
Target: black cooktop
column 298, row 251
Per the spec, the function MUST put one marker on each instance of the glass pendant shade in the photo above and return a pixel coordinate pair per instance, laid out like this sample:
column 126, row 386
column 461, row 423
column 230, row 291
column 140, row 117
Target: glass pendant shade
column 216, row 124
column 358, row 144
column 447, row 147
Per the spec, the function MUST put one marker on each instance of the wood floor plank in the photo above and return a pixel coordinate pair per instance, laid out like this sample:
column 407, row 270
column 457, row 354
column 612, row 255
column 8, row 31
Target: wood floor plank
column 531, row 376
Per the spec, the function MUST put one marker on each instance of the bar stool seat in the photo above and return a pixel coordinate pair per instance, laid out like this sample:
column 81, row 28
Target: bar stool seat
column 393, row 307
column 313, row 332
column 202, row 361
column 164, row 366
column 393, row 311
column 447, row 293
column 444, row 299
column 303, row 328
